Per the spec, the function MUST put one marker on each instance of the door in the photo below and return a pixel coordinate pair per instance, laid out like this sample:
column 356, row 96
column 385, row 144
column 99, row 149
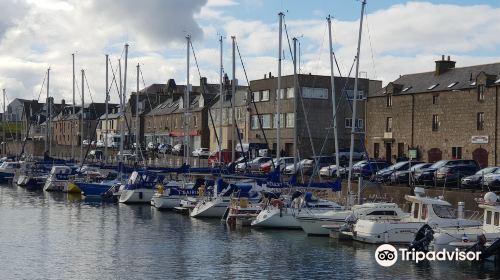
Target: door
column 434, row 155
column 388, row 152
column 481, row 156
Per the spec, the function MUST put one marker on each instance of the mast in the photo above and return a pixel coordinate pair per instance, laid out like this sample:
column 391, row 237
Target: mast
column 82, row 122
column 221, row 99
column 186, row 104
column 334, row 104
column 107, row 109
column 295, row 92
column 233, row 91
column 74, row 112
column 278, row 92
column 354, row 101
column 137, row 131
column 49, row 115
column 3, row 125
column 122, row 111
column 124, row 93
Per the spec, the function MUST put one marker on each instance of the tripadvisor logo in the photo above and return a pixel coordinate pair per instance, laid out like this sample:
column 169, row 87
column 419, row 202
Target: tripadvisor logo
column 387, row 255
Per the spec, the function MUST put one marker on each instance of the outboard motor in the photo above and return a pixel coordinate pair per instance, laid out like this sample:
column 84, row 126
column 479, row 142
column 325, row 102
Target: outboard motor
column 422, row 239
column 486, row 252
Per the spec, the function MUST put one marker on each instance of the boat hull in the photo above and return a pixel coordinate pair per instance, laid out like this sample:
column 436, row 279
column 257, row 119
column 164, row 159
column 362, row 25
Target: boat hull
column 276, row 218
column 166, row 202
column 210, row 209
column 139, row 195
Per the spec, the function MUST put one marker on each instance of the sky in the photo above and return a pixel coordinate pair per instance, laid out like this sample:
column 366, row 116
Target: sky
column 399, row 37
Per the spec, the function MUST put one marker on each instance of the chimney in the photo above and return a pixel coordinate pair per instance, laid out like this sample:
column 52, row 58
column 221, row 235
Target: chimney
column 270, row 75
column 63, row 103
column 203, row 81
column 444, row 65
column 265, row 76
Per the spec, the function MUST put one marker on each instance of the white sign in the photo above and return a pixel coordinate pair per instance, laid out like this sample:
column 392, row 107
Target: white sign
column 480, row 139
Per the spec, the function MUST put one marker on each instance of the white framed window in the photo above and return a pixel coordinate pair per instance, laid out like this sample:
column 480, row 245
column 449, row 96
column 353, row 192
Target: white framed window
column 282, row 121
column 282, row 93
column 290, row 120
column 256, row 96
column 359, row 123
column 290, row 93
column 265, row 95
column 350, row 94
column 266, row 121
column 315, row 93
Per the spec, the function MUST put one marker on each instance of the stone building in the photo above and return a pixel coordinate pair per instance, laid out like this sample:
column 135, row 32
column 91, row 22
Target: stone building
column 165, row 123
column 314, row 108
column 446, row 113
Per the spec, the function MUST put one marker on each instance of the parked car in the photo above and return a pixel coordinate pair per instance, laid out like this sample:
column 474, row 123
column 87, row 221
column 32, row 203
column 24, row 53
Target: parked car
column 165, row 148
column 492, row 180
column 232, row 164
column 384, row 175
column 344, row 155
column 317, row 163
column 151, row 146
column 85, row 142
column 201, row 152
column 252, row 165
column 99, row 144
column 178, row 149
column 268, row 166
column 426, row 176
column 477, row 179
column 452, row 175
column 328, row 171
column 292, row 169
column 402, row 175
column 368, row 168
column 226, row 156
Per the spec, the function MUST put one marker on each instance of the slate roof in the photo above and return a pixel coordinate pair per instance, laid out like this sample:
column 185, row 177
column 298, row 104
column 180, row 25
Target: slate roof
column 464, row 76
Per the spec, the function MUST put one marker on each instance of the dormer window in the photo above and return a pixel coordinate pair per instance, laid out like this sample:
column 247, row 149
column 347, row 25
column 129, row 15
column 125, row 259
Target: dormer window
column 480, row 92
column 432, row 87
column 452, row 84
column 181, row 103
column 389, row 100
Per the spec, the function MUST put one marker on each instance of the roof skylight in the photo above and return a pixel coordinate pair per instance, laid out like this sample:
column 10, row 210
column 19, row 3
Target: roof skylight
column 473, row 83
column 406, row 89
column 452, row 84
column 433, row 86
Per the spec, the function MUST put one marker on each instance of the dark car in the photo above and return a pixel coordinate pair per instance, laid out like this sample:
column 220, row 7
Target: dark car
column 318, row 163
column 402, row 176
column 452, row 175
column 369, row 168
column 476, row 180
column 384, row 175
column 426, row 176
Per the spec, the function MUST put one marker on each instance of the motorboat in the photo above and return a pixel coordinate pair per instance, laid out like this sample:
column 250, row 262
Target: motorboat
column 314, row 223
column 140, row 187
column 101, row 189
column 462, row 237
column 58, row 177
column 214, row 205
column 281, row 212
column 435, row 212
column 169, row 195
column 8, row 170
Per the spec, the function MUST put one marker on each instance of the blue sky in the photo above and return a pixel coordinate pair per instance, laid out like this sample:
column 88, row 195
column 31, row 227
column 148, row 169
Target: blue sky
column 399, row 37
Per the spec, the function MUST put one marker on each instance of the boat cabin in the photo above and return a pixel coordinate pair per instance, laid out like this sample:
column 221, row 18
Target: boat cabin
column 491, row 217
column 425, row 209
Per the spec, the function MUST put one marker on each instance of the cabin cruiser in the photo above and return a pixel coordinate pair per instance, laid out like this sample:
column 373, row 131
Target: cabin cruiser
column 315, row 223
column 8, row 170
column 281, row 212
column 140, row 187
column 98, row 189
column 434, row 212
column 58, row 177
column 464, row 237
column 214, row 205
column 169, row 195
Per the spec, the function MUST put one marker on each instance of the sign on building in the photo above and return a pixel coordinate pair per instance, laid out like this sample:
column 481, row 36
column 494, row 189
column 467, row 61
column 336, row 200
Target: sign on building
column 480, row 139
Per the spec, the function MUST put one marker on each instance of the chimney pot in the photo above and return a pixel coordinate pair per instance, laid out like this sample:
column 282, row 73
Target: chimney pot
column 448, row 58
column 265, row 76
column 442, row 57
column 269, row 75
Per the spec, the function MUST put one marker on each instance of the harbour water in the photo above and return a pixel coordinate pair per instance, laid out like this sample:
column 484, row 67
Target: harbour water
column 56, row 236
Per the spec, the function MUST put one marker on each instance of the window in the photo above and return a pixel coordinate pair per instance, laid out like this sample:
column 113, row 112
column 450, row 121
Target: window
column 195, row 121
column 348, row 123
column 452, row 84
column 415, row 210
column 290, row 93
column 407, row 89
column 444, row 211
column 388, row 125
column 254, row 122
column 376, row 150
column 282, row 93
column 488, row 217
column 480, row 92
column 497, row 219
column 315, row 93
column 435, row 122
column 434, row 99
column 456, row 152
column 389, row 100
column 480, row 121
column 473, row 84
column 350, row 94
column 290, row 120
column 266, row 121
column 432, row 87
column 256, row 96
column 423, row 213
column 282, row 120
column 265, row 95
